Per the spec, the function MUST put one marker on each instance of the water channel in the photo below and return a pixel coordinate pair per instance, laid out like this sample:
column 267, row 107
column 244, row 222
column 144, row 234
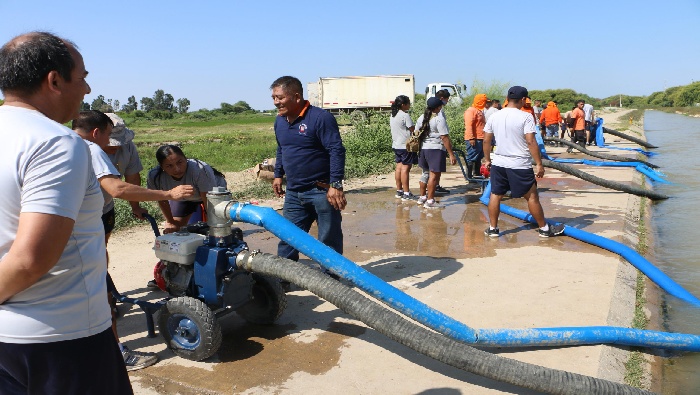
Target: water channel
column 676, row 234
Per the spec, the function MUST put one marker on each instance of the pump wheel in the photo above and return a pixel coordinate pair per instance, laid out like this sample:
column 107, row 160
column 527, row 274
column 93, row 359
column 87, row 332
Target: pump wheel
column 189, row 328
column 267, row 303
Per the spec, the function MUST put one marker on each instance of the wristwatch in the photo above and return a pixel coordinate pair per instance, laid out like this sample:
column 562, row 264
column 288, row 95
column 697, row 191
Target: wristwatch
column 337, row 185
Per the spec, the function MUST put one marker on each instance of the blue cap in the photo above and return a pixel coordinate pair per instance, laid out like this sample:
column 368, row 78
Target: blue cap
column 434, row 102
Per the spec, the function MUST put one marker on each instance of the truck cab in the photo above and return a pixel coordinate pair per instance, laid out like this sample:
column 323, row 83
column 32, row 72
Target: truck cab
column 457, row 91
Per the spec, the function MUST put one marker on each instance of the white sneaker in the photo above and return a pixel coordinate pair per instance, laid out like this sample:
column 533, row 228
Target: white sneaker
column 421, row 200
column 432, row 204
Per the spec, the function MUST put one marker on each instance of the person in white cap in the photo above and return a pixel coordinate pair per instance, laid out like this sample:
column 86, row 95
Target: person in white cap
column 121, row 150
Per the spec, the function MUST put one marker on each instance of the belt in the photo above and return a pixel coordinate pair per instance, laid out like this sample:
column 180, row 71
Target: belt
column 323, row 185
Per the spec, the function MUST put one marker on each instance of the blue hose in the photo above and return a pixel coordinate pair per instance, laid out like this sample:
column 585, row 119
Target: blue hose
column 640, row 167
column 638, row 261
column 329, row 259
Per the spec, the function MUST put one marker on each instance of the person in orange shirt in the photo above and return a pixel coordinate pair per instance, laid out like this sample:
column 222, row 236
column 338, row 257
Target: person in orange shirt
column 474, row 122
column 579, row 134
column 551, row 119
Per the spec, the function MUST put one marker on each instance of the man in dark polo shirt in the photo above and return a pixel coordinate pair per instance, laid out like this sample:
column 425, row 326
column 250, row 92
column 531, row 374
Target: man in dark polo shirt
column 311, row 155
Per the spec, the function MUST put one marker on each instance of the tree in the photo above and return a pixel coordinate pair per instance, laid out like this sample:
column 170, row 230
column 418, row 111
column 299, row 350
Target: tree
column 116, row 105
column 147, row 104
column 84, row 106
column 98, row 103
column 163, row 101
column 241, row 106
column 237, row 108
column 131, row 104
column 183, row 105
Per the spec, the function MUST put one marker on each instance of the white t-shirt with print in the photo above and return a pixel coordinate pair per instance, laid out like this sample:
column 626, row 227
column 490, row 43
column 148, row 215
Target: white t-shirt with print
column 47, row 169
column 509, row 127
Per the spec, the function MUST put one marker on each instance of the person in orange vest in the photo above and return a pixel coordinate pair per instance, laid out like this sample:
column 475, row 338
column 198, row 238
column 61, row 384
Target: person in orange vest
column 551, row 119
column 474, row 121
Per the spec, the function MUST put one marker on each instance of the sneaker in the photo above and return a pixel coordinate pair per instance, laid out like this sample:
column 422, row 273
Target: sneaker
column 399, row 194
column 137, row 360
column 432, row 204
column 152, row 284
column 421, row 200
column 408, row 197
column 492, row 232
column 554, row 230
column 439, row 189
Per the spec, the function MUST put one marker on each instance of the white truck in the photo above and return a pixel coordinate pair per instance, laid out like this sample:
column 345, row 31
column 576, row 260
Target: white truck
column 356, row 94
column 457, row 91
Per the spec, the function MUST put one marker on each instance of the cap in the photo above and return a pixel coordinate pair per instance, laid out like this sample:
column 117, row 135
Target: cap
column 434, row 102
column 120, row 133
column 517, row 92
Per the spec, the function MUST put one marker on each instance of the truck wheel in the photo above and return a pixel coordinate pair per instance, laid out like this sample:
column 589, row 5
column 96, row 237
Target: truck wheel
column 358, row 116
column 189, row 328
column 267, row 303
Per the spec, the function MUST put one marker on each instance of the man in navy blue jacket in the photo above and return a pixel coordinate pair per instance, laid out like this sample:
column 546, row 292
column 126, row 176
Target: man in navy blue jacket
column 310, row 153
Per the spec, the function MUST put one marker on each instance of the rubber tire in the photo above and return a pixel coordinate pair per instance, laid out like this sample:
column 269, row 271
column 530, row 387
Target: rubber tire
column 267, row 303
column 193, row 312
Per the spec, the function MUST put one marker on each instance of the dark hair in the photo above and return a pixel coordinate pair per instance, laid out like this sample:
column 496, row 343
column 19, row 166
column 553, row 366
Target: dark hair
column 289, row 84
column 580, row 101
column 27, row 59
column 496, row 101
column 425, row 126
column 443, row 94
column 398, row 103
column 88, row 120
column 166, row 150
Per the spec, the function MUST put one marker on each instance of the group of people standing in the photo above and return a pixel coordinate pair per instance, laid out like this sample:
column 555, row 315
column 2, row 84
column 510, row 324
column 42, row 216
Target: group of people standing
column 435, row 147
column 514, row 128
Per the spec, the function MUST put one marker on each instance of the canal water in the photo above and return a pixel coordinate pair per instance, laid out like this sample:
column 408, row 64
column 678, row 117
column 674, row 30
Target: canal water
column 676, row 232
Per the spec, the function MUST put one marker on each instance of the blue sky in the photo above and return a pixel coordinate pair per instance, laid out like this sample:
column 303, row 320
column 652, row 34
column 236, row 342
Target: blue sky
column 226, row 51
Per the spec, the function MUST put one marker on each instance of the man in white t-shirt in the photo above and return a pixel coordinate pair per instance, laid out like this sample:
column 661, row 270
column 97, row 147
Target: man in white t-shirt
column 512, row 162
column 55, row 335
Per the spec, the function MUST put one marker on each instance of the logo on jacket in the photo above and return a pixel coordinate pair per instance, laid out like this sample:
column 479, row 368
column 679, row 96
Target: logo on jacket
column 302, row 129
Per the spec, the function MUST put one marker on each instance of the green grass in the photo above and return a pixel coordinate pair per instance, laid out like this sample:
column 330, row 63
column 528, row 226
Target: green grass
column 635, row 372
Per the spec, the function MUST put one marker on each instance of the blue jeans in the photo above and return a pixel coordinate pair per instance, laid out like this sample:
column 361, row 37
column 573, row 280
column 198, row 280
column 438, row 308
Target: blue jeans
column 553, row 130
column 475, row 153
column 302, row 209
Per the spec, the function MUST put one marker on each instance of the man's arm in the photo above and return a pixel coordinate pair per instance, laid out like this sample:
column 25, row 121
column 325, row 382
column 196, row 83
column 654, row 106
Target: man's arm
column 535, row 152
column 329, row 134
column 40, row 241
column 119, row 189
column 136, row 209
column 488, row 139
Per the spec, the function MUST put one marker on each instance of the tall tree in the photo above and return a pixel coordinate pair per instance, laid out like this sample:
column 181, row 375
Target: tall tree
column 116, row 105
column 147, row 104
column 183, row 105
column 98, row 103
column 131, row 104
